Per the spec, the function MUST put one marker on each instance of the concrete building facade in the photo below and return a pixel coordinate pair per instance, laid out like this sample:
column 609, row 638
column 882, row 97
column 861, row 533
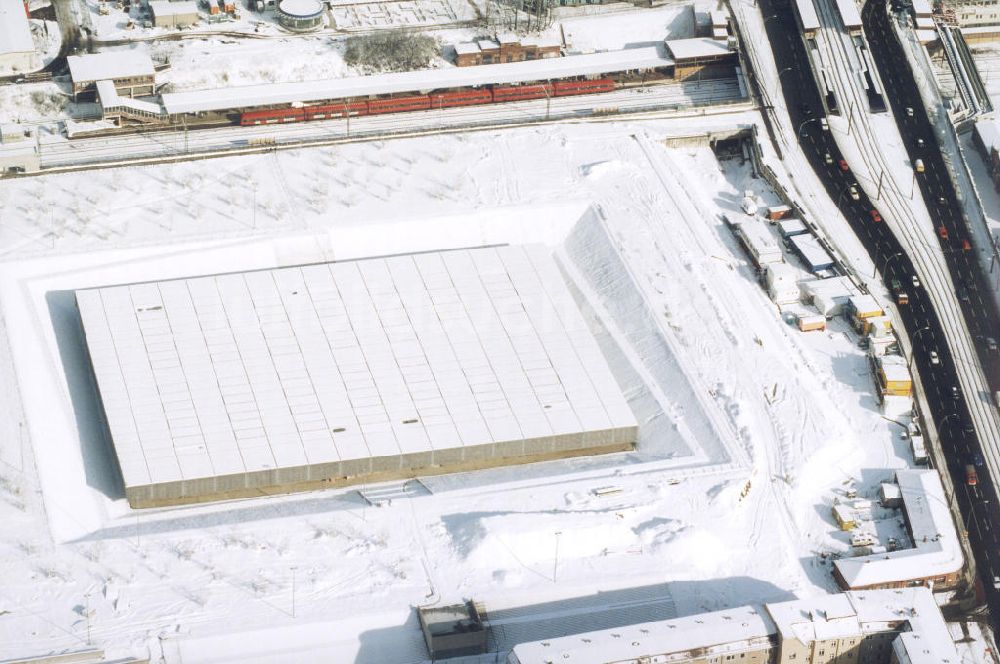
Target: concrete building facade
column 872, row 627
column 936, row 558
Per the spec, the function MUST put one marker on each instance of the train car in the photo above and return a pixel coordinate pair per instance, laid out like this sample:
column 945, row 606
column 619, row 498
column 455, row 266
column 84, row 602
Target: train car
column 461, row 98
column 327, row 111
column 399, row 104
column 585, row 87
column 522, row 92
column 272, row 116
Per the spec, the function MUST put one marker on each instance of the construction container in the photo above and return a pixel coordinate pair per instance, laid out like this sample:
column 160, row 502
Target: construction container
column 812, row 322
column 776, row 212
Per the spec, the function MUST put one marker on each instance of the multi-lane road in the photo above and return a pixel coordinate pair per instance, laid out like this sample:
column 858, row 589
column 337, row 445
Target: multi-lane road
column 926, row 330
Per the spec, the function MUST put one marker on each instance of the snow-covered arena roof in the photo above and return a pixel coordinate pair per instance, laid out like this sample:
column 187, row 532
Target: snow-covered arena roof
column 250, row 96
column 217, row 385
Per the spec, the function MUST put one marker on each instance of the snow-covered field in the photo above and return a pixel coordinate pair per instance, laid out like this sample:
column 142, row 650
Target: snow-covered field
column 748, row 428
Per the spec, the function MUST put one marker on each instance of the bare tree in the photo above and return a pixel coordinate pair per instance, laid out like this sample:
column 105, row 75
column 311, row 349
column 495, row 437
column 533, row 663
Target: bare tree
column 391, row 50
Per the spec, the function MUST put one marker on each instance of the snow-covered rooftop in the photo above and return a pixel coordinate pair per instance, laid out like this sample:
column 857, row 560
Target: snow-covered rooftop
column 172, row 7
column 330, row 363
column 937, row 551
column 250, row 96
column 15, row 32
column 812, row 251
column 849, row 13
column 696, row 47
column 110, row 65
column 894, row 367
column 807, row 13
column 989, row 132
column 718, row 633
column 921, row 7
column 467, row 48
column 733, row 632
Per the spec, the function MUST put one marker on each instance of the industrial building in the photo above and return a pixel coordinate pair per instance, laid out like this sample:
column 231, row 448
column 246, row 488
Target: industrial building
column 453, row 631
column 871, row 627
column 971, row 13
column 18, row 149
column 935, row 561
column 300, row 15
column 17, row 49
column 131, row 71
column 278, row 380
column 505, row 49
column 167, row 14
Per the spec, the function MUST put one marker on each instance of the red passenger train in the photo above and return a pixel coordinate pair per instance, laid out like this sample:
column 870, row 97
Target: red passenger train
column 495, row 94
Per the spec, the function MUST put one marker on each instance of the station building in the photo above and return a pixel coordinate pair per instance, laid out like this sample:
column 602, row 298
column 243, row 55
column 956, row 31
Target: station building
column 253, row 383
column 701, row 57
column 132, row 73
column 505, row 49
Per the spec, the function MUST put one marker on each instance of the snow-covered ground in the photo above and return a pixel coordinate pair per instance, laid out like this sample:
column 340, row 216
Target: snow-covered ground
column 749, row 429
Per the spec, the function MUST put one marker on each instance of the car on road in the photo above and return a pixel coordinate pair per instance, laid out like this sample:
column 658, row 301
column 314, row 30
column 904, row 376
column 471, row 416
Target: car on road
column 962, row 294
column 977, row 459
column 855, row 195
column 966, row 245
column 943, row 232
column 971, row 478
column 954, row 393
column 918, row 165
column 920, row 142
column 935, row 360
column 909, row 111
column 843, row 165
column 876, row 217
column 827, row 158
column 991, row 344
column 916, row 282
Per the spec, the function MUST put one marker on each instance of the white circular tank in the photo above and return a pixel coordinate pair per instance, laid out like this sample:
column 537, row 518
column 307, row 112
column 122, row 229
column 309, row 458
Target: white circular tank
column 300, row 15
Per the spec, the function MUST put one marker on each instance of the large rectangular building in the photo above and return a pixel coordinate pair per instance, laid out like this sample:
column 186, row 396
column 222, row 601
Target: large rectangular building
column 17, row 49
column 277, row 380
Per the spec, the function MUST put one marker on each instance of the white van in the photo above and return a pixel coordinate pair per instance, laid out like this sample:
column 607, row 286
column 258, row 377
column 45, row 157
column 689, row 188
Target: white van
column 918, row 165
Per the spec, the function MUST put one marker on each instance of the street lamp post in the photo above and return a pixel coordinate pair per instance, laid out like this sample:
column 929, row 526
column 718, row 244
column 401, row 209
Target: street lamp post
column 885, row 266
column 943, row 420
column 555, row 564
column 913, row 343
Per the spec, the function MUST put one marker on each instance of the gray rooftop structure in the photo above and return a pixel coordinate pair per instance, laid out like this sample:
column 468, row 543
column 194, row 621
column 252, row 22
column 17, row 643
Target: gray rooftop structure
column 336, row 373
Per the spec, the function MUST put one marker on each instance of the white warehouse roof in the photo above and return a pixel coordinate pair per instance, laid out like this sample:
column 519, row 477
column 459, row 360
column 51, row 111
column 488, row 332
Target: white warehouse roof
column 15, row 31
column 345, row 363
column 250, row 96
column 109, row 65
